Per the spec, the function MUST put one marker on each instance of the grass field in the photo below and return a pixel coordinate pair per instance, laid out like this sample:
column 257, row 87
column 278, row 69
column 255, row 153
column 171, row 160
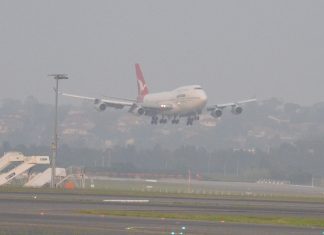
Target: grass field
column 245, row 219
column 166, row 190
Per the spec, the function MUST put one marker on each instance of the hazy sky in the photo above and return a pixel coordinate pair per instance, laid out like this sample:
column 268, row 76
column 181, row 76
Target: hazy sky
column 235, row 49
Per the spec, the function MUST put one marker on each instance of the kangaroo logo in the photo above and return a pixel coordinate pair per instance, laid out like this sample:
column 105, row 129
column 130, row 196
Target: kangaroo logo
column 142, row 86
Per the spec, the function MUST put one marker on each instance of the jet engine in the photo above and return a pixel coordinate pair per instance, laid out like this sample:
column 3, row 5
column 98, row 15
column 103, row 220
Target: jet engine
column 237, row 109
column 217, row 113
column 99, row 105
column 139, row 111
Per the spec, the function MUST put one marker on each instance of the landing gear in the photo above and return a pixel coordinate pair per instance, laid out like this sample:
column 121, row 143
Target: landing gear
column 190, row 121
column 163, row 120
column 154, row 120
column 175, row 121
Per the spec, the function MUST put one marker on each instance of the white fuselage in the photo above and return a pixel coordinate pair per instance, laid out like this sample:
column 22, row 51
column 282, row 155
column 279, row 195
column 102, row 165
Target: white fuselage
column 183, row 101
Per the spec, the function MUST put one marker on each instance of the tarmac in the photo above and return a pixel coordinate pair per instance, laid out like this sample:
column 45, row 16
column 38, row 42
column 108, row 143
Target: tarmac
column 59, row 213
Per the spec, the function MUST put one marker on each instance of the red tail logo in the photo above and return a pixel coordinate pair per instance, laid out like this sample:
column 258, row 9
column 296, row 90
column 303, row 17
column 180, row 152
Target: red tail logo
column 141, row 85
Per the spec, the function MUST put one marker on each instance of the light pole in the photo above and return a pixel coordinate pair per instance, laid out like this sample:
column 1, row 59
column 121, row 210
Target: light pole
column 57, row 77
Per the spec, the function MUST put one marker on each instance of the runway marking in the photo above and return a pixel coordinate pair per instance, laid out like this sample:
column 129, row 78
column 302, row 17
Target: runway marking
column 151, row 181
column 134, row 228
column 127, row 201
column 146, row 229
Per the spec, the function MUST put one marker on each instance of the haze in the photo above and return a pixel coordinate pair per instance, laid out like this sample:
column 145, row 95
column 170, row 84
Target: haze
column 234, row 49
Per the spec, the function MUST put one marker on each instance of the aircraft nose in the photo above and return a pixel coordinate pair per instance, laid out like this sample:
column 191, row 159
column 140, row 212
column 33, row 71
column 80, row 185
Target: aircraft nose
column 204, row 97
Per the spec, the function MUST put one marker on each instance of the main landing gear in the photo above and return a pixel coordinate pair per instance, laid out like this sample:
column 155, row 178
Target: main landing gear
column 163, row 120
column 154, row 120
column 191, row 119
column 175, row 121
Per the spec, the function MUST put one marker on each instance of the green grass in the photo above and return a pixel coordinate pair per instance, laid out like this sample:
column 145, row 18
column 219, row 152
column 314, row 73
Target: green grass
column 132, row 193
column 244, row 219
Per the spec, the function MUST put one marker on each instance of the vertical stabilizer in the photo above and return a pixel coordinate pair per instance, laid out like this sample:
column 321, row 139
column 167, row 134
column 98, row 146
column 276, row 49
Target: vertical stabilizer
column 141, row 84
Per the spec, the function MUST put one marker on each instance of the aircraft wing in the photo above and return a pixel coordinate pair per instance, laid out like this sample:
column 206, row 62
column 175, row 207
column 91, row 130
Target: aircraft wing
column 102, row 103
column 217, row 110
column 233, row 104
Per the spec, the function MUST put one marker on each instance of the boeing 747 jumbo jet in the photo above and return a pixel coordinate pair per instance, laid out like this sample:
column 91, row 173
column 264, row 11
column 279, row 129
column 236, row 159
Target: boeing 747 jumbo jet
column 184, row 102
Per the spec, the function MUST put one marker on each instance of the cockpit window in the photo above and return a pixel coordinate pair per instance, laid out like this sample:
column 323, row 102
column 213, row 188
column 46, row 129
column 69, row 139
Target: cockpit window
column 198, row 88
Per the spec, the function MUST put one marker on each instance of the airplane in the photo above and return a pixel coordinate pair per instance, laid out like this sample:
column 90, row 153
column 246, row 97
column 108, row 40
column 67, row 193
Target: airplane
column 184, row 102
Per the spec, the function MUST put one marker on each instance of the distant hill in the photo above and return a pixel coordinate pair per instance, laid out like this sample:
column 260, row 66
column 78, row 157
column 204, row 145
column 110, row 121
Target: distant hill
column 270, row 140
column 262, row 125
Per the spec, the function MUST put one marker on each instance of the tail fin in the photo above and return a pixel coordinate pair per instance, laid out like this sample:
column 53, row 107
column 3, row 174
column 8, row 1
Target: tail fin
column 141, row 85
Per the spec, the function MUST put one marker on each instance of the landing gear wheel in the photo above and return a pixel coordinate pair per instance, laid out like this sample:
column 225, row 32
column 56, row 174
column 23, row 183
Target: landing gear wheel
column 154, row 120
column 175, row 121
column 190, row 121
column 163, row 121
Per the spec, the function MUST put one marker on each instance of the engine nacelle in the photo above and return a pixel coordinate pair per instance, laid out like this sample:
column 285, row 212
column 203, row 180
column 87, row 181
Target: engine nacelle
column 99, row 105
column 237, row 109
column 217, row 113
column 139, row 111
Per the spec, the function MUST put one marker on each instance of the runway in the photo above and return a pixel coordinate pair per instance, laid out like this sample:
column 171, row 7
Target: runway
column 47, row 213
